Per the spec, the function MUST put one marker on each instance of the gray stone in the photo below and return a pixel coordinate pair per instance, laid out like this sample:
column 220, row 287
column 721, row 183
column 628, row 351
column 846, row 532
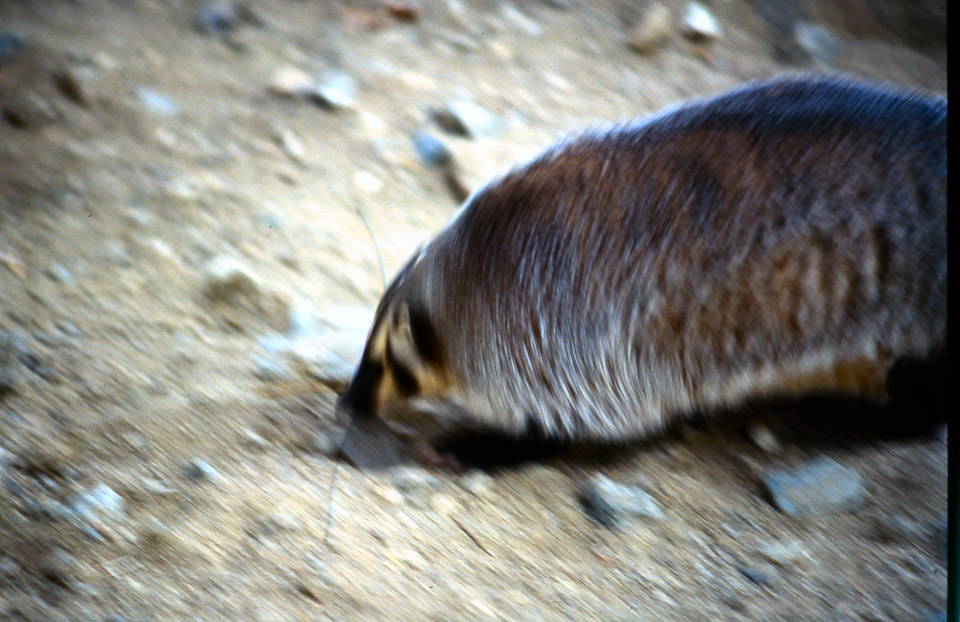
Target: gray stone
column 115, row 252
column 157, row 103
column 467, row 119
column 763, row 438
column 605, row 501
column 815, row 42
column 225, row 278
column 27, row 109
column 754, row 576
column 101, row 501
column 9, row 567
column 335, row 90
column 58, row 274
column 11, row 44
column 430, row 149
column 820, row 486
column 199, row 470
column 59, row 567
column 216, row 18
column 11, row 349
column 6, row 458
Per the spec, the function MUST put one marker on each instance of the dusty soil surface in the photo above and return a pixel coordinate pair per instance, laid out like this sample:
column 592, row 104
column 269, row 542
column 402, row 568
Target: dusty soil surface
column 154, row 467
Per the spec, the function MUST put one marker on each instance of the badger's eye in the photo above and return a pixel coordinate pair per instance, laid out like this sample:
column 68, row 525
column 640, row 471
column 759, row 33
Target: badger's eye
column 406, row 382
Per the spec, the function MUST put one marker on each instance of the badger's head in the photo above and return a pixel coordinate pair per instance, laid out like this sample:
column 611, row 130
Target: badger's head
column 402, row 371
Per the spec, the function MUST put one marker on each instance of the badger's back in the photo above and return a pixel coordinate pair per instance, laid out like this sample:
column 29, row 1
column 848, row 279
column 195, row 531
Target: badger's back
column 783, row 238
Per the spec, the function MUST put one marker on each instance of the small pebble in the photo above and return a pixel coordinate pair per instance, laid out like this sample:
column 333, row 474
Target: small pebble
column 251, row 439
column 290, row 145
column 442, row 504
column 820, row 486
column 815, row 42
column 897, row 529
column 115, row 252
column 431, row 150
column 11, row 44
column 754, row 576
column 11, row 350
column 289, row 82
column 699, row 24
column 160, row 249
column 467, row 119
column 524, row 22
column 58, row 274
column 155, row 486
column 201, row 471
column 59, row 567
column 79, row 85
column 9, row 567
column 326, row 442
column 389, row 494
column 367, row 182
column 101, row 501
column 783, row 553
column 336, row 90
column 403, row 11
column 605, row 500
column 139, row 217
column 763, row 438
column 6, row 458
column 652, row 28
column 216, row 18
column 226, row 277
column 272, row 368
column 411, row 479
column 152, row 530
column 477, row 482
column 27, row 109
column 156, row 102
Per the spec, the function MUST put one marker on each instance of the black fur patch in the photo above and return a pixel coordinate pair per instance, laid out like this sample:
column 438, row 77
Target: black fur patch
column 359, row 397
column 425, row 338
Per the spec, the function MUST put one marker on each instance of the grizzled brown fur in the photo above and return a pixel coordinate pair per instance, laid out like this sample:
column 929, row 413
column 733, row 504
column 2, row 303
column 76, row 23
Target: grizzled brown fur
column 784, row 238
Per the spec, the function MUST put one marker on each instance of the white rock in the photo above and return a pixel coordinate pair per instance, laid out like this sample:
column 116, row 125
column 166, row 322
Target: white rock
column 367, row 182
column 289, row 82
column 225, row 277
column 699, row 23
column 336, row 90
column 652, row 29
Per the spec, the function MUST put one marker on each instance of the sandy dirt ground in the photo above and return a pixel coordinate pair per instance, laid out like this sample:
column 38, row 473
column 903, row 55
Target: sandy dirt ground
column 158, row 463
